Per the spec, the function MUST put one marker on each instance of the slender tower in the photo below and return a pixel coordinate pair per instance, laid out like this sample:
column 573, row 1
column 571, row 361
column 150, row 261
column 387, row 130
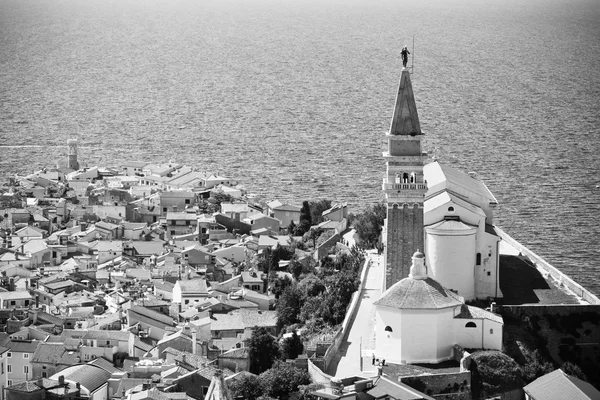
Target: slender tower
column 72, row 161
column 403, row 185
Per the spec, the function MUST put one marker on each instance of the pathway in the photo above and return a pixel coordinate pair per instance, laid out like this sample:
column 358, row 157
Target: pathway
column 361, row 334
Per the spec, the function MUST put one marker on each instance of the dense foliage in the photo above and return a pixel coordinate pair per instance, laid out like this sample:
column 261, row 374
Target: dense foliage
column 368, row 225
column 283, row 379
column 493, row 372
column 263, row 349
column 278, row 382
column 291, row 347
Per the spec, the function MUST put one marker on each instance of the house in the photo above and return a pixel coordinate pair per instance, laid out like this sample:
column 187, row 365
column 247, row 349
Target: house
column 134, row 168
column 338, row 212
column 105, row 343
column 558, row 384
column 214, row 180
column 3, row 374
column 261, row 221
column 181, row 223
column 197, row 256
column 417, row 320
column 379, row 387
column 91, row 380
column 50, row 358
column 164, row 290
column 197, row 382
column 286, row 213
column 235, row 322
column 253, row 281
column 18, row 359
column 19, row 299
column 152, row 323
column 176, row 200
column 141, row 250
column 188, row 293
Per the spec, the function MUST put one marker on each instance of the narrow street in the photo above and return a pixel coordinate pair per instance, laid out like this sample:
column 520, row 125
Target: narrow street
column 360, row 341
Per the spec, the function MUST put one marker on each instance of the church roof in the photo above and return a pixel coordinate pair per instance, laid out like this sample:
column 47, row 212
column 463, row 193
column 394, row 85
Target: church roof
column 418, row 294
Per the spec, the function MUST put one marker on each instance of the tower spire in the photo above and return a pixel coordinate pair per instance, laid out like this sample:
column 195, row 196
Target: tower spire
column 404, row 185
column 405, row 120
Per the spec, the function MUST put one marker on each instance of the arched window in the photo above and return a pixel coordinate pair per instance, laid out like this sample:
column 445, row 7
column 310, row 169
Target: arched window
column 470, row 325
column 388, row 329
column 398, row 178
column 478, row 259
column 413, row 178
column 405, row 178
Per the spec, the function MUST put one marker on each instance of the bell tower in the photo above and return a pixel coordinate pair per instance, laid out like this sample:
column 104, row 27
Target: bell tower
column 403, row 185
column 72, row 162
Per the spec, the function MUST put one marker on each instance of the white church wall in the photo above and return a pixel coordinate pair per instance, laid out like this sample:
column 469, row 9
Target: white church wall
column 469, row 333
column 445, row 337
column 419, row 336
column 492, row 335
column 487, row 282
column 451, row 259
column 388, row 345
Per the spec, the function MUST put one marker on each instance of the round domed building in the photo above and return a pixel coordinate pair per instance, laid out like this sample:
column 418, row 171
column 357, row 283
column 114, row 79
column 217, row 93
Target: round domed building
column 420, row 321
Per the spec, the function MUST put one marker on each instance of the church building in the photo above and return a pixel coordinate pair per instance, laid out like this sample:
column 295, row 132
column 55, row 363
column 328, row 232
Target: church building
column 439, row 209
column 417, row 320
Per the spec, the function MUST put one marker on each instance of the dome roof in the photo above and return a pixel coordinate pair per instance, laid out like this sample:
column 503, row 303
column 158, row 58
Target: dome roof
column 418, row 294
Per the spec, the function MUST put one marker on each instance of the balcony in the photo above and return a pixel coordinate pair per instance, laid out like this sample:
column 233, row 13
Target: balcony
column 404, row 186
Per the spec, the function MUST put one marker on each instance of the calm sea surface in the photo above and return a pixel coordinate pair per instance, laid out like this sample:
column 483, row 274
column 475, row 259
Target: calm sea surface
column 293, row 98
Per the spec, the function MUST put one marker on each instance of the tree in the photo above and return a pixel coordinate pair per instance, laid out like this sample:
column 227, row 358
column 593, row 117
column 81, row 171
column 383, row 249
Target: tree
column 573, row 370
column 311, row 286
column 289, row 306
column 316, row 210
column 291, row 347
column 278, row 285
column 263, row 350
column 305, row 219
column 295, row 268
column 291, row 228
column 247, row 387
column 340, row 286
column 493, row 372
column 283, row 379
column 368, row 225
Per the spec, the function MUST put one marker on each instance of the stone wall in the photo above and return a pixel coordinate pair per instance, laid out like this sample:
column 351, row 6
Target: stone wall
column 544, row 309
column 452, row 386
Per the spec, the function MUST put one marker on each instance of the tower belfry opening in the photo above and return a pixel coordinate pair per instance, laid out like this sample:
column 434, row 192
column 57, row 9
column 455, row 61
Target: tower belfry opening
column 404, row 185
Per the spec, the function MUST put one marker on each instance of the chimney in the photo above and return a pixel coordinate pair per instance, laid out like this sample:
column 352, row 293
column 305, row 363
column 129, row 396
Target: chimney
column 194, row 342
column 40, row 382
column 61, row 380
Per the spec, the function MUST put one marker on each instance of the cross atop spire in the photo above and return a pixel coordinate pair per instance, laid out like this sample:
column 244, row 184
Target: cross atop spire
column 405, row 120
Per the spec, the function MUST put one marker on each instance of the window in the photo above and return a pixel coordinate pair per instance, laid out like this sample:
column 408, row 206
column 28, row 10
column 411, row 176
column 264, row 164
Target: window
column 491, row 331
column 8, row 368
column 44, row 374
column 25, row 369
column 25, row 355
column 187, row 201
column 451, row 209
column 187, row 302
column 9, row 382
column 478, row 259
column 12, row 303
column 470, row 325
column 2, row 368
column 389, row 329
column 9, row 355
column 164, row 209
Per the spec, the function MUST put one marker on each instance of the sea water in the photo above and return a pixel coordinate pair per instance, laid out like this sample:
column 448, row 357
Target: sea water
column 293, row 98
